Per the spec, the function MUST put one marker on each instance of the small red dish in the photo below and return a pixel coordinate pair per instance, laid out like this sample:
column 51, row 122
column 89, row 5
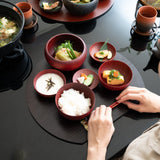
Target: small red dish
column 58, row 76
column 122, row 67
column 88, row 93
column 87, row 72
column 96, row 47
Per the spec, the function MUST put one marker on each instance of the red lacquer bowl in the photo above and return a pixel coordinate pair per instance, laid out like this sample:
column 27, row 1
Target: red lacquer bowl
column 96, row 47
column 43, row 73
column 122, row 67
column 78, row 45
column 88, row 93
column 87, row 72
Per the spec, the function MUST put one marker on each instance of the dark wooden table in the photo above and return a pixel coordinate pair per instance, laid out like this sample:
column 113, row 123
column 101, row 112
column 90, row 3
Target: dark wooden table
column 22, row 138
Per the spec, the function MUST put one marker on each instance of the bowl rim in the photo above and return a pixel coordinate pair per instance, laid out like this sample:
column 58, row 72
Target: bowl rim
column 39, row 74
column 102, row 61
column 62, row 34
column 82, row 4
column 79, row 117
column 114, row 87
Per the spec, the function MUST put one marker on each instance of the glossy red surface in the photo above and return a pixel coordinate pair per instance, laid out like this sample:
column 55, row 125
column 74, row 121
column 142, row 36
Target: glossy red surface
column 44, row 72
column 122, row 67
column 88, row 93
column 65, row 16
column 96, row 47
column 87, row 72
column 78, row 45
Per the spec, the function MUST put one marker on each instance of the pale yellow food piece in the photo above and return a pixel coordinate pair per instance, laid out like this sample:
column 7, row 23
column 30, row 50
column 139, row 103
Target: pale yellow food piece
column 115, row 81
column 109, row 55
column 62, row 54
column 85, row 124
column 101, row 54
column 106, row 73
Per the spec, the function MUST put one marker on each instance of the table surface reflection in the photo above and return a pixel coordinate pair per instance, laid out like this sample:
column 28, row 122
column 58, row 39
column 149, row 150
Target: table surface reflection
column 22, row 138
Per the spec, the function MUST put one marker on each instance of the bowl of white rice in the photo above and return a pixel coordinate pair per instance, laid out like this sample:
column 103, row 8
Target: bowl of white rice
column 75, row 101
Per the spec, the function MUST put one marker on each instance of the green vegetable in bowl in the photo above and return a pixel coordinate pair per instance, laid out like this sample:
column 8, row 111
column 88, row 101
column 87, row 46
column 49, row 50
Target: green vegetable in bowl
column 66, row 52
column 89, row 80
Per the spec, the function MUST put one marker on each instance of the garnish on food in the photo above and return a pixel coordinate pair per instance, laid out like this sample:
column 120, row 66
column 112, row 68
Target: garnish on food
column 86, row 80
column 113, row 77
column 104, row 52
column 65, row 52
column 48, row 6
column 50, row 84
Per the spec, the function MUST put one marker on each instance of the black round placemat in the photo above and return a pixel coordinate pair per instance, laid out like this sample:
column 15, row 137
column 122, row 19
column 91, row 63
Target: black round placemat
column 45, row 113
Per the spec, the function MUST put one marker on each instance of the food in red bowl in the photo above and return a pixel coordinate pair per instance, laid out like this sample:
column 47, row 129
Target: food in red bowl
column 48, row 82
column 102, row 55
column 75, row 101
column 79, row 78
column 65, row 51
column 115, row 75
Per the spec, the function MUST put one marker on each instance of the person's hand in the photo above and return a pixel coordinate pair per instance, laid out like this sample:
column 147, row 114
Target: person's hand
column 100, row 131
column 148, row 101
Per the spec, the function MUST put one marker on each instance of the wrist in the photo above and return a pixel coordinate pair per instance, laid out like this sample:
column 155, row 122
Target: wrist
column 96, row 153
column 158, row 107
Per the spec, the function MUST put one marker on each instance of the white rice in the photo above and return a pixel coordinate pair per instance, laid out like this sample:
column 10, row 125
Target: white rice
column 73, row 103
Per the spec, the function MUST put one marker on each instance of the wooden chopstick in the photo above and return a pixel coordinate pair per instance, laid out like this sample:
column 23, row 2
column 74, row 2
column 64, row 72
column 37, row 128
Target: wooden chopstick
column 114, row 104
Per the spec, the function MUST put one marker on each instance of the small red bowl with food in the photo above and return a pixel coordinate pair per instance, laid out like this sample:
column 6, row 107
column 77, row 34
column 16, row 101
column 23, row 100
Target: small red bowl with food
column 48, row 82
column 87, row 77
column 75, row 101
column 65, row 51
column 115, row 75
column 102, row 52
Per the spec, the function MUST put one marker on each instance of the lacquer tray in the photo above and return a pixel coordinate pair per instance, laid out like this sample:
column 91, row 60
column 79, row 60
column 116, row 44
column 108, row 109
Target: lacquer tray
column 45, row 113
column 44, row 110
column 65, row 16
